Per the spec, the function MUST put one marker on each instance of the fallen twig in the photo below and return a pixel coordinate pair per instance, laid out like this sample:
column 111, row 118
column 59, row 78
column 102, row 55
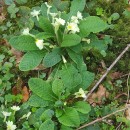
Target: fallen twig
column 102, row 118
column 108, row 70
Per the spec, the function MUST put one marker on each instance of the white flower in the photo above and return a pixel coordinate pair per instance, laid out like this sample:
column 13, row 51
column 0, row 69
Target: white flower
column 35, row 13
column 81, row 93
column 10, row 125
column 48, row 6
column 26, row 116
column 60, row 21
column 64, row 60
column 39, row 44
column 73, row 27
column 26, row 31
column 6, row 113
column 74, row 19
column 15, row 108
column 79, row 15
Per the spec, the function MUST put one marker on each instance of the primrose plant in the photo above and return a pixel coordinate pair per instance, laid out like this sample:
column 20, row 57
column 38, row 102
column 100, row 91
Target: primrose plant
column 58, row 40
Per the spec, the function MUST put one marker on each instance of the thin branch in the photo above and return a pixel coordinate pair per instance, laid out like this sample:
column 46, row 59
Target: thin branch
column 102, row 118
column 128, row 89
column 108, row 70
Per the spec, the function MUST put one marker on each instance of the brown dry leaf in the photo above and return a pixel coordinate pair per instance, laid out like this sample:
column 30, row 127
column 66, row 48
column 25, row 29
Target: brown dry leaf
column 18, row 87
column 96, row 98
column 25, row 94
column 115, row 75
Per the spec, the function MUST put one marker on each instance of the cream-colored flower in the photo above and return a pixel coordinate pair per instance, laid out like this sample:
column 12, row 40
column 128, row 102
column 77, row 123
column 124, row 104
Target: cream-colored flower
column 10, row 125
column 80, row 93
column 60, row 21
column 35, row 13
column 26, row 31
column 79, row 15
column 74, row 19
column 40, row 44
column 73, row 27
column 6, row 113
column 15, row 108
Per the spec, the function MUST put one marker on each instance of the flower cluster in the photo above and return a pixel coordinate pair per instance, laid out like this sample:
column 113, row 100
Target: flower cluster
column 10, row 124
column 72, row 26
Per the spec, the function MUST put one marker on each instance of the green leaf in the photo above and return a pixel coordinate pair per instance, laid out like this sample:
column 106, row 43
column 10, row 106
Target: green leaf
column 47, row 114
column 70, row 117
column 115, row 16
column 65, row 128
column 21, row 1
column 76, row 57
column 71, row 73
column 41, row 88
column 36, row 101
column 57, row 87
column 23, row 43
column 44, row 35
column 70, row 40
column 61, row 5
column 12, row 9
column 8, row 2
column 31, row 60
column 82, row 107
column 92, row 24
column 87, row 77
column 46, row 25
column 52, row 58
column 47, row 125
column 77, row 5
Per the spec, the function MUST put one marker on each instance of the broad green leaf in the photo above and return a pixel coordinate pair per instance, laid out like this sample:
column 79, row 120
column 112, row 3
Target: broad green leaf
column 65, row 128
column 44, row 35
column 61, row 5
column 71, row 73
column 44, row 10
column 70, row 40
column 31, row 60
column 46, row 25
column 70, row 117
column 47, row 125
column 77, row 5
column 98, row 45
column 36, row 101
column 76, row 57
column 57, row 87
column 23, row 43
column 87, row 77
column 47, row 114
column 82, row 107
column 41, row 88
column 92, row 24
column 52, row 58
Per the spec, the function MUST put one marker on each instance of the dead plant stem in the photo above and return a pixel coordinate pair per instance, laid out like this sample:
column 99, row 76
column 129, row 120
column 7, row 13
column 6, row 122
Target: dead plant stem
column 108, row 70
